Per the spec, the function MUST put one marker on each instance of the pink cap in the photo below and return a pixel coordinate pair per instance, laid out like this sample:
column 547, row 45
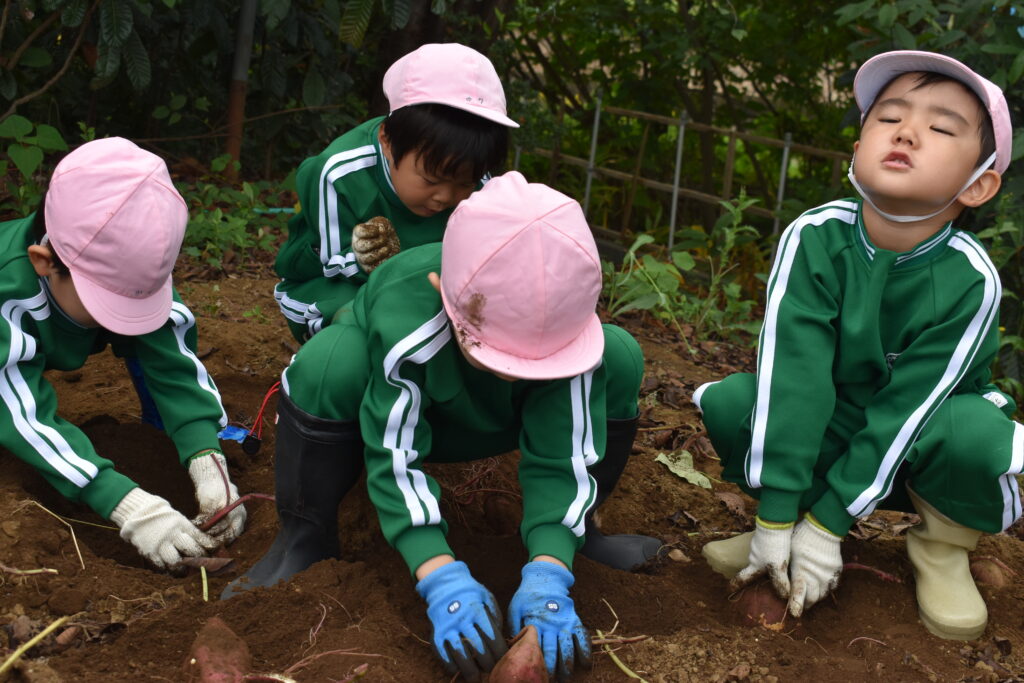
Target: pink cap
column 520, row 277
column 878, row 71
column 116, row 221
column 449, row 74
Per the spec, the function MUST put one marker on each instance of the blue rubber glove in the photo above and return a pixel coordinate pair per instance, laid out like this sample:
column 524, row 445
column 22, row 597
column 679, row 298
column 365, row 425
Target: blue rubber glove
column 466, row 620
column 543, row 601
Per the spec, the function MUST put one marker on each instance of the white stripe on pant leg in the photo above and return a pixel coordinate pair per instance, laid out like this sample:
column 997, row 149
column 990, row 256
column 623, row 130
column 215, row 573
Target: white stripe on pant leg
column 700, row 392
column 1011, row 490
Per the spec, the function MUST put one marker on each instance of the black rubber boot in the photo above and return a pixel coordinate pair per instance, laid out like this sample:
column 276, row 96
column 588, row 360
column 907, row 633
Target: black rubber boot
column 317, row 461
column 622, row 551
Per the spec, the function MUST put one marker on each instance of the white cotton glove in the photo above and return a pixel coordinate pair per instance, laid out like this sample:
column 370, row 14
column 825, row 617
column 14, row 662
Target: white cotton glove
column 815, row 566
column 769, row 554
column 214, row 491
column 160, row 533
column 374, row 242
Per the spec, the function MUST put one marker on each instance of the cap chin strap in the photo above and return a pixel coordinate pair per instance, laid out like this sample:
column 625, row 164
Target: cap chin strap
column 910, row 219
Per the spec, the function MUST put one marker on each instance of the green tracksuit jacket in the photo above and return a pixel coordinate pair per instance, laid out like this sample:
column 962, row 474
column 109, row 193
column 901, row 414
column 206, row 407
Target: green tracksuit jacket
column 346, row 184
column 859, row 349
column 424, row 402
column 36, row 335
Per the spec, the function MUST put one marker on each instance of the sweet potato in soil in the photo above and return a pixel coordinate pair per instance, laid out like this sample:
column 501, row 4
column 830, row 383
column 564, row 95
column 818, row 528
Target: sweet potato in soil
column 138, row 624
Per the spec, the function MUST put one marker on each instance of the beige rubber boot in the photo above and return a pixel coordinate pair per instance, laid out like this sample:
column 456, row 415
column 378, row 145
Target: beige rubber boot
column 729, row 556
column 947, row 599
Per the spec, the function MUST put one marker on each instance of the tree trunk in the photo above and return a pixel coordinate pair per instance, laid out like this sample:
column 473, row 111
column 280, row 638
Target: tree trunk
column 239, row 82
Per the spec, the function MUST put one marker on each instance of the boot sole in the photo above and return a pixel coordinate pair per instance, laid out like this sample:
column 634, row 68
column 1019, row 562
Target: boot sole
column 947, row 632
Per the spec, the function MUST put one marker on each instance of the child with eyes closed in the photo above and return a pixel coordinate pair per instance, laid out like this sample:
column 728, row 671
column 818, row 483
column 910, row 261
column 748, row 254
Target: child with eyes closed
column 873, row 383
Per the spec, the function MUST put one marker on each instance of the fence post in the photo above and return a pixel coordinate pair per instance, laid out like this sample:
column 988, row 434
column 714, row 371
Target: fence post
column 675, row 182
column 730, row 162
column 783, row 172
column 593, row 155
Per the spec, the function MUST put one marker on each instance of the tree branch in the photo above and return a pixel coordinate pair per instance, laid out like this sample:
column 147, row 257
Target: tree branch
column 28, row 41
column 3, row 20
column 63, row 69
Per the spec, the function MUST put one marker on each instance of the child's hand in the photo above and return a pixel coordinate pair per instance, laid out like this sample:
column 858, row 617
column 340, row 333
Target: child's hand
column 817, row 563
column 374, row 242
column 769, row 554
column 543, row 601
column 466, row 620
column 160, row 533
column 214, row 490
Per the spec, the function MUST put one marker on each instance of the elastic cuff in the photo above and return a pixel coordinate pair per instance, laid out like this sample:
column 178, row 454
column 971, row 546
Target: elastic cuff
column 774, row 525
column 814, row 522
column 832, row 514
column 193, row 437
column 554, row 540
column 419, row 544
column 779, row 506
column 107, row 490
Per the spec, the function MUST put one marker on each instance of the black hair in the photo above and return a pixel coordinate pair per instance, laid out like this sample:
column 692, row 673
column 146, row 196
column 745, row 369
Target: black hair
column 986, row 134
column 448, row 140
column 39, row 232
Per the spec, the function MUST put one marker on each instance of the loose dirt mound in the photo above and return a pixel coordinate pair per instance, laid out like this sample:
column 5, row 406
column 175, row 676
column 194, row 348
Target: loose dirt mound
column 126, row 622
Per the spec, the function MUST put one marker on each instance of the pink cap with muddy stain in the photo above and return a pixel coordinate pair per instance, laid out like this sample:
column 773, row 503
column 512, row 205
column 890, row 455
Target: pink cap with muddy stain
column 117, row 222
column 450, row 74
column 520, row 278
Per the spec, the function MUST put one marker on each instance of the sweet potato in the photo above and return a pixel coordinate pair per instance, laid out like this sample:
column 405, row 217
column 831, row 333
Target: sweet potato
column 523, row 663
column 760, row 606
column 988, row 573
column 217, row 655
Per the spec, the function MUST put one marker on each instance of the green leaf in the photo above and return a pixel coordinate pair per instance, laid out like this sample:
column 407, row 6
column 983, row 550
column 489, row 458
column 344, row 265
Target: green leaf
column 35, row 58
column 904, row 38
column 8, row 86
column 27, row 159
column 683, row 260
column 274, row 12
column 15, row 126
column 50, row 139
column 115, row 21
column 161, row 112
column 170, row 3
column 313, row 88
column 202, row 104
column 1000, row 49
column 887, row 16
column 174, row 118
column 73, row 13
column 681, row 465
column 355, row 21
column 848, row 13
column 136, row 62
column 108, row 62
column 1016, row 69
column 400, row 14
column 177, row 102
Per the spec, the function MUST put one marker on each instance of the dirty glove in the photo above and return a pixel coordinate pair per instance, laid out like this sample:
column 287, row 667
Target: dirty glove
column 543, row 601
column 769, row 554
column 816, row 564
column 467, row 622
column 374, row 242
column 160, row 533
column 214, row 491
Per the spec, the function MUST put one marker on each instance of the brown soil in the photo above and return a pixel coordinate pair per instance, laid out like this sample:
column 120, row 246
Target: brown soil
column 127, row 622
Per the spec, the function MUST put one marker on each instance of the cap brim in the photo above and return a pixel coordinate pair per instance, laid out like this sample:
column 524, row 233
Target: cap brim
column 879, row 70
column 582, row 354
column 489, row 114
column 122, row 314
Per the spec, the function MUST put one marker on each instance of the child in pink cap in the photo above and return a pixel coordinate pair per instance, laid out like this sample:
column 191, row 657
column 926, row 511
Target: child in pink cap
column 873, row 376
column 92, row 268
column 503, row 351
column 447, row 130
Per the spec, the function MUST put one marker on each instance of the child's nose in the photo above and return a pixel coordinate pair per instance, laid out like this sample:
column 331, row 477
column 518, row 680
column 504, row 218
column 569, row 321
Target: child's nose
column 905, row 134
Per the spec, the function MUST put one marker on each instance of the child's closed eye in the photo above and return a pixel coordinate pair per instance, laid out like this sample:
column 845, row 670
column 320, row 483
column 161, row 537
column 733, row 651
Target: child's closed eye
column 943, row 131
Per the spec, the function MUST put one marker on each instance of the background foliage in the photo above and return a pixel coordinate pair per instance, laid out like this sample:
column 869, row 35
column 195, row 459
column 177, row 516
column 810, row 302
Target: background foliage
column 158, row 71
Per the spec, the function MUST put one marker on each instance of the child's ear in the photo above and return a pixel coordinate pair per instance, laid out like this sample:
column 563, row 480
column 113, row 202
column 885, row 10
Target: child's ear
column 382, row 138
column 982, row 189
column 42, row 260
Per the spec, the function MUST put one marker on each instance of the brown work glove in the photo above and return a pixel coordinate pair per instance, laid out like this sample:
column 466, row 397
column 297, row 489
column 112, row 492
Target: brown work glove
column 374, row 242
